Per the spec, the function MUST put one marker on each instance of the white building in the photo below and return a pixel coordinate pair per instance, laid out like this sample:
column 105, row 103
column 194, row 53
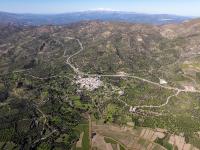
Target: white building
column 162, row 81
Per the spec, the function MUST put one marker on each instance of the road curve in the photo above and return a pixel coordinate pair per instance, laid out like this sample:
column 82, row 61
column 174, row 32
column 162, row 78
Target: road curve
column 115, row 75
column 77, row 71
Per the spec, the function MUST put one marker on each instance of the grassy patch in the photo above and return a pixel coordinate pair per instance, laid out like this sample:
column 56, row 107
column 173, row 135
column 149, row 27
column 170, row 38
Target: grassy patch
column 121, row 147
column 141, row 141
column 113, row 142
column 109, row 140
column 85, row 141
column 164, row 143
column 195, row 141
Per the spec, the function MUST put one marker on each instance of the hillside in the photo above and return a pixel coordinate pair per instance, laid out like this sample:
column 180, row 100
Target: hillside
column 60, row 84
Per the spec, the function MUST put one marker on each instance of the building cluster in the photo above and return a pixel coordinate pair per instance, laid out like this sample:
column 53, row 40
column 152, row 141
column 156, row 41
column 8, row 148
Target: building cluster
column 89, row 83
column 189, row 88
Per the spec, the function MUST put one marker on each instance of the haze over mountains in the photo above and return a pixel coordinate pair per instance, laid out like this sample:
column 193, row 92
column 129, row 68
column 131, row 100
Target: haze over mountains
column 67, row 18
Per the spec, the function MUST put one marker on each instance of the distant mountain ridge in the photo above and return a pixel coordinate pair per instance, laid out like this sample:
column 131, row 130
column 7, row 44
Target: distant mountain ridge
column 73, row 17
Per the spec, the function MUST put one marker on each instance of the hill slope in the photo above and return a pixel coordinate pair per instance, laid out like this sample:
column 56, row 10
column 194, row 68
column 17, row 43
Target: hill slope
column 144, row 76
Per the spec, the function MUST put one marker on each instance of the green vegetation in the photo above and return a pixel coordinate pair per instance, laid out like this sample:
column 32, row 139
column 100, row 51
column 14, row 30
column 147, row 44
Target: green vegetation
column 121, row 147
column 109, row 140
column 44, row 146
column 42, row 108
column 113, row 143
column 164, row 143
column 198, row 76
column 180, row 124
column 142, row 141
column 85, row 141
column 36, row 108
column 194, row 140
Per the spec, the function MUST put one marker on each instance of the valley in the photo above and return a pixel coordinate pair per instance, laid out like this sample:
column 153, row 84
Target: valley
column 92, row 82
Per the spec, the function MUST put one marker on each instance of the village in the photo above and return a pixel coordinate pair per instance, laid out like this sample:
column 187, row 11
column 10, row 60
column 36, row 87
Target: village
column 89, row 83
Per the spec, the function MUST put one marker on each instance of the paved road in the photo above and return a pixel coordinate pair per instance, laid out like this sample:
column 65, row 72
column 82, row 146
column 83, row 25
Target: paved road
column 115, row 75
column 77, row 71
column 129, row 76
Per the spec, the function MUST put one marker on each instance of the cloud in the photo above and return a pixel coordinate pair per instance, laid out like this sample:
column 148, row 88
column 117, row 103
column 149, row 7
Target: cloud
column 103, row 9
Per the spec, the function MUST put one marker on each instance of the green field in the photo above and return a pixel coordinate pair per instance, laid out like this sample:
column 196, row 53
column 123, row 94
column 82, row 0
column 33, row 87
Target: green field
column 113, row 142
column 85, row 141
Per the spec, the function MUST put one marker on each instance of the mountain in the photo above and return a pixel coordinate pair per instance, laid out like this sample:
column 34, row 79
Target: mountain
column 67, row 18
column 146, row 81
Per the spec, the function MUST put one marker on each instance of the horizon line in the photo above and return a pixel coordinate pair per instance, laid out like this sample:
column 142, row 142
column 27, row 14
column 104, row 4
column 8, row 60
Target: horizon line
column 95, row 10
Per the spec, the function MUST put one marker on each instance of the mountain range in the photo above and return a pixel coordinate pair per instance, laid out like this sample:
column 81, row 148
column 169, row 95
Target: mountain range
column 67, row 18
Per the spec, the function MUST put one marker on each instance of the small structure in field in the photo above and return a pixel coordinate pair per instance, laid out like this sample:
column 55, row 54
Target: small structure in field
column 132, row 109
column 139, row 39
column 122, row 73
column 162, row 82
column 121, row 93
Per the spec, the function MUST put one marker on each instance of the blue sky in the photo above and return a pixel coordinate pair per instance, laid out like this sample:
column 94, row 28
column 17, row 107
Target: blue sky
column 179, row 7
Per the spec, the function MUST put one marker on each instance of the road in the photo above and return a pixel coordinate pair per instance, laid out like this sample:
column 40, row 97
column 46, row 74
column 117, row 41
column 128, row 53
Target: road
column 76, row 70
column 116, row 75
column 68, row 59
column 159, row 106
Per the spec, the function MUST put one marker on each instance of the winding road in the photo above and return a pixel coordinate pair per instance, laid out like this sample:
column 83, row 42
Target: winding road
column 68, row 59
column 76, row 70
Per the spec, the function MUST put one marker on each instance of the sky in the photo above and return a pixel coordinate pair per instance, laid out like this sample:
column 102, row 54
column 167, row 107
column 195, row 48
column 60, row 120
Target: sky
column 178, row 7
